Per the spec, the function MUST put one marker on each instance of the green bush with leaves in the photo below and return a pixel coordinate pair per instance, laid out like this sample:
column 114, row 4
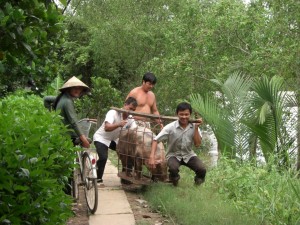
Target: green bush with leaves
column 31, row 35
column 36, row 157
column 264, row 192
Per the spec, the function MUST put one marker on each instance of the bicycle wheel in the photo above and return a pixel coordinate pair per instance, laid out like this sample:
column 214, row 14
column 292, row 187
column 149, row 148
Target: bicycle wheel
column 75, row 184
column 90, row 184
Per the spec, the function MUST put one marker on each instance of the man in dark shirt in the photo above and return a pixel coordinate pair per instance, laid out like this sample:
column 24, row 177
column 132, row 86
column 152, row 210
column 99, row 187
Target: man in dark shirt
column 73, row 88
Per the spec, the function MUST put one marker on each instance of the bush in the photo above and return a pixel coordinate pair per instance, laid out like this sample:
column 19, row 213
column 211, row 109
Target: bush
column 36, row 158
column 264, row 192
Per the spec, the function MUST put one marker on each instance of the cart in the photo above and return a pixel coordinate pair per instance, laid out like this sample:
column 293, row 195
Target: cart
column 134, row 147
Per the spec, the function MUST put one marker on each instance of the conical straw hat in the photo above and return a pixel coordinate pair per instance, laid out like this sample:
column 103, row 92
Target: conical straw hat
column 74, row 82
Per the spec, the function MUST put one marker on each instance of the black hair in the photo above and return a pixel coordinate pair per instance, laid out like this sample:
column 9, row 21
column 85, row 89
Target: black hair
column 131, row 100
column 149, row 77
column 183, row 106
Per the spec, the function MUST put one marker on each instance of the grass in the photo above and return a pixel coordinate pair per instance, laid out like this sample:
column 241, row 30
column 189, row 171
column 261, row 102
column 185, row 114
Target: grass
column 232, row 194
column 187, row 204
column 113, row 157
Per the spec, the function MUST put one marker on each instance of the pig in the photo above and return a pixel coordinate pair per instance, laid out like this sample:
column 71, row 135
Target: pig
column 134, row 148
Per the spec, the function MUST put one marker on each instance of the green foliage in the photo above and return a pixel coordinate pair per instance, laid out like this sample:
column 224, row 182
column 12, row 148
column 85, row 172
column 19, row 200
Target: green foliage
column 246, row 110
column 267, row 119
column 31, row 33
column 259, row 191
column 188, row 204
column 103, row 96
column 224, row 112
column 55, row 85
column 36, row 157
column 77, row 52
column 185, row 43
column 233, row 193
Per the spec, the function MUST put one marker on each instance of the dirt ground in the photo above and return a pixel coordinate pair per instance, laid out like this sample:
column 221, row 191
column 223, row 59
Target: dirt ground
column 80, row 211
column 142, row 212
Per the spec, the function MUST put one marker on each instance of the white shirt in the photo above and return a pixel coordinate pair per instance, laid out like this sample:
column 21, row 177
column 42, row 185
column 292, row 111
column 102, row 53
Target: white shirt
column 179, row 140
column 105, row 137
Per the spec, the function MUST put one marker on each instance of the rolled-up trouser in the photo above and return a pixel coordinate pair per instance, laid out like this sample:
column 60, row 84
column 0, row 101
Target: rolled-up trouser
column 194, row 164
column 102, row 151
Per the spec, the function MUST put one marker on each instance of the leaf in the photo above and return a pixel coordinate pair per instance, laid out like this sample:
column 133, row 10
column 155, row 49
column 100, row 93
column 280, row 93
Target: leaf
column 63, row 2
column 263, row 112
column 13, row 36
column 28, row 48
column 4, row 21
column 2, row 69
column 6, row 221
column 33, row 160
column 20, row 188
column 57, row 84
column 24, row 173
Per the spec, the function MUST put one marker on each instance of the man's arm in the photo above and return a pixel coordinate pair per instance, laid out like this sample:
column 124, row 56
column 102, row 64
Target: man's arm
column 49, row 102
column 110, row 123
column 151, row 161
column 112, row 126
column 163, row 135
column 72, row 117
column 84, row 141
column 197, row 136
column 155, row 111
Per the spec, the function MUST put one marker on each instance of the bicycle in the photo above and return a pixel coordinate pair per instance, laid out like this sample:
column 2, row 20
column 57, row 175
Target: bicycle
column 86, row 173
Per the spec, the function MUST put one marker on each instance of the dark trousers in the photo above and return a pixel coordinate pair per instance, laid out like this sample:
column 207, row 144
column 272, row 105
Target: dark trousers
column 102, row 151
column 194, row 164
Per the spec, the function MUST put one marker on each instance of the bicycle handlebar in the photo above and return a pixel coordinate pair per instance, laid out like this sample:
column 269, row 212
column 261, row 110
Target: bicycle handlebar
column 88, row 119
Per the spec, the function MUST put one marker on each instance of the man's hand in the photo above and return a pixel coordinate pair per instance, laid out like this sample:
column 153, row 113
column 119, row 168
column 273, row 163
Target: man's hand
column 151, row 162
column 197, row 138
column 158, row 121
column 199, row 122
column 84, row 141
column 122, row 123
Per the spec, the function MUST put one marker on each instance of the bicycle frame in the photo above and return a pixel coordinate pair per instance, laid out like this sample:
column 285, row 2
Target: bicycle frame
column 93, row 159
column 86, row 174
column 93, row 173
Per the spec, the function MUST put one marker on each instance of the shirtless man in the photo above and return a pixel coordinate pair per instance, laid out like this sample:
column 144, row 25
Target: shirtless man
column 145, row 97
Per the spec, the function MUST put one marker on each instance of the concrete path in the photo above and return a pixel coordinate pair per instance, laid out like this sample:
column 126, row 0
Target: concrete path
column 113, row 206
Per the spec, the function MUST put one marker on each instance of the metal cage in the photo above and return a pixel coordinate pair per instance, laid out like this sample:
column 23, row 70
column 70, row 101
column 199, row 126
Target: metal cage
column 133, row 149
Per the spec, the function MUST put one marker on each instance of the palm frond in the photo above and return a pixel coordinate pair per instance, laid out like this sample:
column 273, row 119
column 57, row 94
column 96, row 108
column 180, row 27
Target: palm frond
column 235, row 87
column 267, row 114
column 216, row 118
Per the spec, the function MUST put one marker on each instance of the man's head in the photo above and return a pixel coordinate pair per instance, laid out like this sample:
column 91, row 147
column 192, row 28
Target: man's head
column 130, row 104
column 75, row 87
column 149, row 81
column 184, row 111
column 149, row 77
